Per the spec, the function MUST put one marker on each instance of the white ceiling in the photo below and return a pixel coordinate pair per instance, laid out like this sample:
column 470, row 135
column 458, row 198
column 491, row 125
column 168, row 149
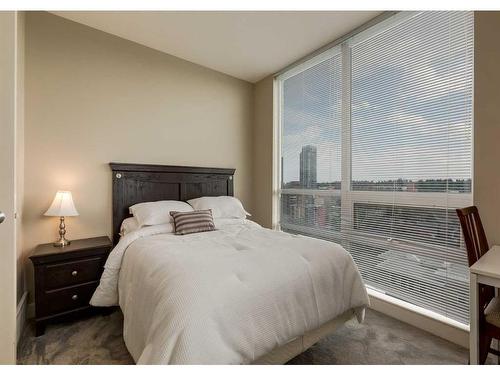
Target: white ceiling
column 245, row 45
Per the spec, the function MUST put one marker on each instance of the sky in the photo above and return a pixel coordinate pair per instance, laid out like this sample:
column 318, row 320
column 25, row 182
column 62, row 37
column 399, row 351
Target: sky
column 411, row 104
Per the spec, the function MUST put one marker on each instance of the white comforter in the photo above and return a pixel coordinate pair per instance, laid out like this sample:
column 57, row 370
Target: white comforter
column 224, row 297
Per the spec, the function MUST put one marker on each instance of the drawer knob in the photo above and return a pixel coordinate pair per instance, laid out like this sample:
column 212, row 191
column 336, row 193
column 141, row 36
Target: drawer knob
column 74, row 297
column 74, row 273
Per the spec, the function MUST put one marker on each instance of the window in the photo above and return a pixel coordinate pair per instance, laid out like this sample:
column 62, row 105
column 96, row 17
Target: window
column 376, row 154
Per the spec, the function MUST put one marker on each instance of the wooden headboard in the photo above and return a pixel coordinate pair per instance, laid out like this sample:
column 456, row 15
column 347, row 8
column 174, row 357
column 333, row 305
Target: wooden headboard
column 136, row 183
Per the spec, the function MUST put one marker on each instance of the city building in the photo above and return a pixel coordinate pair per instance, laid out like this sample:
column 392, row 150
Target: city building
column 308, row 173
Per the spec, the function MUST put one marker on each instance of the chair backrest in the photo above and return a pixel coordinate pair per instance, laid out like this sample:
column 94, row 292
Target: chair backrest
column 477, row 245
column 474, row 236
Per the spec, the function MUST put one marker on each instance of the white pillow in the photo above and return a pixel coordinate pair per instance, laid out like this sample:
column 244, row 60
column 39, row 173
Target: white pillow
column 128, row 225
column 155, row 213
column 222, row 207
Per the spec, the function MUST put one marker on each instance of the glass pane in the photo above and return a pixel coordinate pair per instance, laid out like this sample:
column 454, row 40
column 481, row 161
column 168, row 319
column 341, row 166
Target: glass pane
column 310, row 214
column 311, row 127
column 429, row 225
column 411, row 106
column 442, row 287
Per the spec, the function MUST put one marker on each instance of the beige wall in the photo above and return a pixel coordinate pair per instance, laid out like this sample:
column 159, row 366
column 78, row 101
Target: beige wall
column 487, row 121
column 8, row 34
column 93, row 98
column 20, row 153
column 263, row 153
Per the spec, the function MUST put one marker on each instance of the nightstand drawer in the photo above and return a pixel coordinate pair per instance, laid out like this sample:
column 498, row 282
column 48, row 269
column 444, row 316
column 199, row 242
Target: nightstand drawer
column 71, row 273
column 69, row 298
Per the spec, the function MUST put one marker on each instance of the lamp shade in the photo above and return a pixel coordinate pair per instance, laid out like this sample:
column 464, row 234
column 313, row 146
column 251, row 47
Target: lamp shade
column 62, row 205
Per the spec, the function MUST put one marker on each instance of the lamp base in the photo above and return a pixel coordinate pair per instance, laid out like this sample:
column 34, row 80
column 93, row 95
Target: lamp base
column 61, row 242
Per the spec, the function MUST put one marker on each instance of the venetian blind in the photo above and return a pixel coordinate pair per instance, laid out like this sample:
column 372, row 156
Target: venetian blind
column 311, row 147
column 395, row 136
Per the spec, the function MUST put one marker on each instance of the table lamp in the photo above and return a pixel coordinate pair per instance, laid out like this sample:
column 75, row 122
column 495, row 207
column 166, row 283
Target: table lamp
column 62, row 206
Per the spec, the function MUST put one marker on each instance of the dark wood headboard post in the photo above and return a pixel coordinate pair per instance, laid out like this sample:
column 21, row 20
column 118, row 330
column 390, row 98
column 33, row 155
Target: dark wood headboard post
column 136, row 183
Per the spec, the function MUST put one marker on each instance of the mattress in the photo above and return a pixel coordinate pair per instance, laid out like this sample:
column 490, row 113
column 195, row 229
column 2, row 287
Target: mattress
column 231, row 296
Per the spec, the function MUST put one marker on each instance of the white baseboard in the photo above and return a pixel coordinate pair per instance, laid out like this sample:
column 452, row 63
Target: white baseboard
column 21, row 316
column 433, row 323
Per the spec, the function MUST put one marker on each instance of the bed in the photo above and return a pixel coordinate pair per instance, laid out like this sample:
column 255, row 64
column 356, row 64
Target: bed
column 241, row 294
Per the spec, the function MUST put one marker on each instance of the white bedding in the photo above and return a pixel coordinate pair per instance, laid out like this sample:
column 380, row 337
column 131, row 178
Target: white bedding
column 227, row 296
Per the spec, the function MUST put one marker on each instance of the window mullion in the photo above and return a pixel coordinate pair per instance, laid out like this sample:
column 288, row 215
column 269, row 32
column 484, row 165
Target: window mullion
column 346, row 204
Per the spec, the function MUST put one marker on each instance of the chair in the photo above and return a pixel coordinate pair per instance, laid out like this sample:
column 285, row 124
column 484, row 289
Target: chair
column 489, row 305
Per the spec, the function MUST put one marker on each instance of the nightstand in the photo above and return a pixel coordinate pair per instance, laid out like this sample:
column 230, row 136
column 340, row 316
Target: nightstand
column 66, row 278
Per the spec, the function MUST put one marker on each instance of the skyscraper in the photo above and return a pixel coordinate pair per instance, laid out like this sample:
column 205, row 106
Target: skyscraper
column 308, row 158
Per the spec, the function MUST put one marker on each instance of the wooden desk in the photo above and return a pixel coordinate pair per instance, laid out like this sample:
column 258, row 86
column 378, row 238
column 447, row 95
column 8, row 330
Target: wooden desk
column 485, row 271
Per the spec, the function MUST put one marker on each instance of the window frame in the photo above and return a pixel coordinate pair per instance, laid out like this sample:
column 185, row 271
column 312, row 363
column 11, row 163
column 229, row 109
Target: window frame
column 348, row 196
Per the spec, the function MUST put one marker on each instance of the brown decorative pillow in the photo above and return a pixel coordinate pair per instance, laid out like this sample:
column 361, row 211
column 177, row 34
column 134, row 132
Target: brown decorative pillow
column 193, row 222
